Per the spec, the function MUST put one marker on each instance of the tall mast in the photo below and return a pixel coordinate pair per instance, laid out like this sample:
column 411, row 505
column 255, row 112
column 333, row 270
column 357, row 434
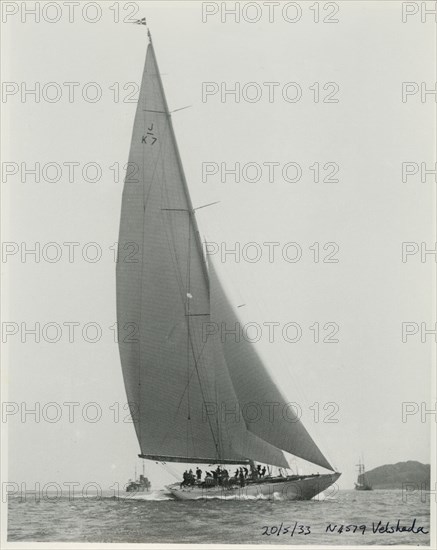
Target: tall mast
column 191, row 210
column 192, row 223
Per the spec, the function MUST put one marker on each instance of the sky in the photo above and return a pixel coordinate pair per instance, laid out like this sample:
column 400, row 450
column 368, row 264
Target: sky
column 345, row 108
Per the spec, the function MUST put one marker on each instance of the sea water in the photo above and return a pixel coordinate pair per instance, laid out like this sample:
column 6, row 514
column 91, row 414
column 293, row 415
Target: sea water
column 348, row 518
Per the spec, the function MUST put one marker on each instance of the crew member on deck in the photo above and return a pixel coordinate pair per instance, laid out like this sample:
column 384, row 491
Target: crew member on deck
column 242, row 483
column 198, row 474
column 209, row 479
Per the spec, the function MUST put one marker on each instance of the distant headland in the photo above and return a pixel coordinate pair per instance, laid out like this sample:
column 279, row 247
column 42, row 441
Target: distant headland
column 395, row 476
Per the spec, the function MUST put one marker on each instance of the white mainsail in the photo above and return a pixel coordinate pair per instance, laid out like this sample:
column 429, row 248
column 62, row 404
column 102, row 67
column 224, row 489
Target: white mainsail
column 177, row 381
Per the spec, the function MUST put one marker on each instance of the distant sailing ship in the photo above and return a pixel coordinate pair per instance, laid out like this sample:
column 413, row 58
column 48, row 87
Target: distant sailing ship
column 178, row 382
column 362, row 483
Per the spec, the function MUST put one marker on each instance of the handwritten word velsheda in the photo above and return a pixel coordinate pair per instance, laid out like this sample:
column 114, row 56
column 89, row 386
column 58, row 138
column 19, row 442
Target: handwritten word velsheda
column 378, row 527
column 398, row 528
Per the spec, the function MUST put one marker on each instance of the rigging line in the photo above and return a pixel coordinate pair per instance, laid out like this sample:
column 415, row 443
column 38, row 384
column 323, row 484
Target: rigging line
column 202, row 360
column 205, row 205
column 187, row 309
column 170, row 238
column 141, row 296
column 182, row 289
column 196, row 364
column 159, row 164
column 187, row 438
column 164, row 439
column 146, row 197
column 145, row 200
column 170, row 233
column 187, row 197
column 219, row 432
column 190, row 427
column 180, row 108
column 181, row 169
column 164, row 112
column 154, row 111
column 198, row 315
column 203, row 395
column 156, row 91
column 159, row 156
column 181, row 398
column 183, row 393
column 174, row 258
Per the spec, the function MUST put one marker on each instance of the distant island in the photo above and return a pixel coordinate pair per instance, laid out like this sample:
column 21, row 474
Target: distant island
column 394, row 476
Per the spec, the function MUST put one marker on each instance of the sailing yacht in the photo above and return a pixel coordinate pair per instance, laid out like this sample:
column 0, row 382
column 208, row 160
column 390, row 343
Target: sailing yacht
column 183, row 388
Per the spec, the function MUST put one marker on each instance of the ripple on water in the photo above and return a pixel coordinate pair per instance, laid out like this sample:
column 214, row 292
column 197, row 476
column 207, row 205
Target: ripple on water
column 218, row 521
